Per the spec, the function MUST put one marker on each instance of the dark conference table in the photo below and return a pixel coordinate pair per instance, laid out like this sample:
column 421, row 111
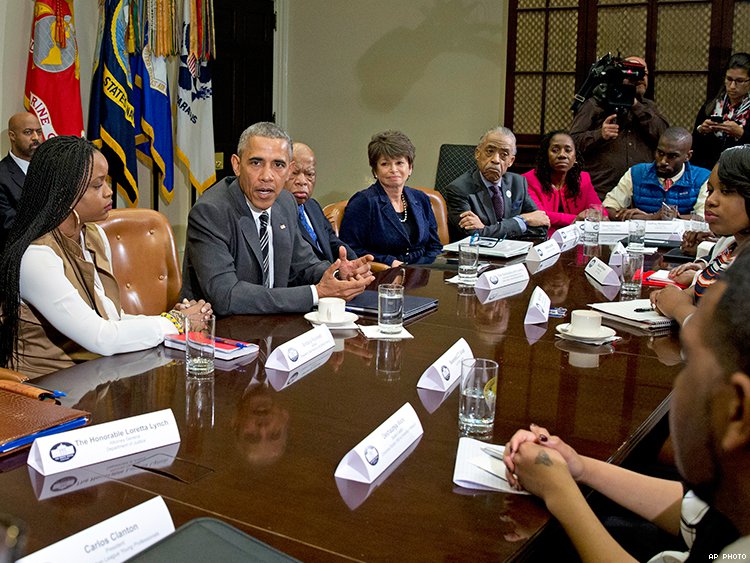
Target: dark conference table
column 264, row 460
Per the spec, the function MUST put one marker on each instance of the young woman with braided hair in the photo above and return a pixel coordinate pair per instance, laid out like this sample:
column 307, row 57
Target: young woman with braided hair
column 58, row 296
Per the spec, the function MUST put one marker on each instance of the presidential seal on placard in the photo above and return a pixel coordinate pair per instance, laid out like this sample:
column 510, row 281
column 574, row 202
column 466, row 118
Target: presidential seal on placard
column 293, row 354
column 62, row 452
column 372, row 455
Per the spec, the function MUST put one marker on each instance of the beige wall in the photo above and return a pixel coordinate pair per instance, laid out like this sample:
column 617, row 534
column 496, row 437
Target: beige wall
column 432, row 68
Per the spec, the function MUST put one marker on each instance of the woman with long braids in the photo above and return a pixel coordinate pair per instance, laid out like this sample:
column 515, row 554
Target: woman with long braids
column 59, row 299
column 557, row 185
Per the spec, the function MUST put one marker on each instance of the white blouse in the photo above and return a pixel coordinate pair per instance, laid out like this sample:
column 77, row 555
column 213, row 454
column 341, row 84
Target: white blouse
column 44, row 286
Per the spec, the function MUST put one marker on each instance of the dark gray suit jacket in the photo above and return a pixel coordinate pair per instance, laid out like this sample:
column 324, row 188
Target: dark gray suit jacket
column 11, row 185
column 327, row 239
column 468, row 193
column 223, row 260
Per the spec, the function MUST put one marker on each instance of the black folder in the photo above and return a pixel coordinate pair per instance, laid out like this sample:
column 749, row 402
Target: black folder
column 366, row 303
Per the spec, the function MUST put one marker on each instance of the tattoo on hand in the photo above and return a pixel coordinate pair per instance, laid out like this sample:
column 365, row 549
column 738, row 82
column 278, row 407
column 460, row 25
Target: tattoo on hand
column 543, row 459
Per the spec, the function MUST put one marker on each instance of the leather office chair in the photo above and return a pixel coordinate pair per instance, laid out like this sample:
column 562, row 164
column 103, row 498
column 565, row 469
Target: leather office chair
column 453, row 161
column 440, row 209
column 334, row 212
column 144, row 260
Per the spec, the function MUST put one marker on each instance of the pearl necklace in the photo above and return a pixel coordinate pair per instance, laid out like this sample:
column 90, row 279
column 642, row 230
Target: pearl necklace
column 405, row 212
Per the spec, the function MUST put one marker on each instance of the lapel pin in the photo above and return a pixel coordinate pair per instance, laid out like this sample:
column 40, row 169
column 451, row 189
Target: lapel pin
column 282, row 226
column 508, row 193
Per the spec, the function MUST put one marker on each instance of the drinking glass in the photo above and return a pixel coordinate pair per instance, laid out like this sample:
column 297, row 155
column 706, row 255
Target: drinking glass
column 200, row 345
column 476, row 410
column 390, row 307
column 632, row 274
column 468, row 261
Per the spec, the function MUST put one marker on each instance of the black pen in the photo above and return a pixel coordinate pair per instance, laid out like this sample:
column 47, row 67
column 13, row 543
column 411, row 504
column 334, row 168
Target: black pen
column 644, row 310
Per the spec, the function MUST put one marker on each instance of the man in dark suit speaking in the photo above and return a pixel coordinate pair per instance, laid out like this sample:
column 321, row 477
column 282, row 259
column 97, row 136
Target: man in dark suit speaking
column 245, row 252
column 25, row 134
column 316, row 229
column 491, row 200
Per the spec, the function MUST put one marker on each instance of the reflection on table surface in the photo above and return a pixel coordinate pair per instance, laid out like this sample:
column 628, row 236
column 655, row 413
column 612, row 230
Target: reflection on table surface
column 268, row 444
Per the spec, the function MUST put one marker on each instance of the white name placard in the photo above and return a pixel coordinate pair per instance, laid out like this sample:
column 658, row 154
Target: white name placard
column 538, row 311
column 602, row 273
column 446, row 370
column 534, row 267
column 281, row 379
column 614, row 228
column 116, row 539
column 382, row 447
column 664, row 227
column 543, row 251
column 567, row 237
column 102, row 442
column 502, row 277
column 615, row 258
column 489, row 295
column 301, row 349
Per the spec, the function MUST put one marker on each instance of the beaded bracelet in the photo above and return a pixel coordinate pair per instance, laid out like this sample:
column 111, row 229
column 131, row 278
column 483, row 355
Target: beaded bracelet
column 173, row 317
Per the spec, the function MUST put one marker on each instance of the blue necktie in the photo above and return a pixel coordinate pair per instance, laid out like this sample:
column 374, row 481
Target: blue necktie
column 307, row 225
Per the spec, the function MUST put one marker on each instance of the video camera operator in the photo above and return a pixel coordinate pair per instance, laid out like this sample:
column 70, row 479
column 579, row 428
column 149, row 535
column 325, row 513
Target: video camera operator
column 611, row 132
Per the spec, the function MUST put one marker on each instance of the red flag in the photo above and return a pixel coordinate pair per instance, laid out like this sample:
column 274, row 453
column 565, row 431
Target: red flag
column 53, row 89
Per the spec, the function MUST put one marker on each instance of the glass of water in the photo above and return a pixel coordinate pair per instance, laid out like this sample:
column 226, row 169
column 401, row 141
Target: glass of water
column 591, row 221
column 637, row 235
column 468, row 261
column 476, row 409
column 632, row 274
column 200, row 345
column 390, row 307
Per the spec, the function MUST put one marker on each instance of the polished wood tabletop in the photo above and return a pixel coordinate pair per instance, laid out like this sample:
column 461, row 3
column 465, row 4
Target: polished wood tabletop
column 260, row 453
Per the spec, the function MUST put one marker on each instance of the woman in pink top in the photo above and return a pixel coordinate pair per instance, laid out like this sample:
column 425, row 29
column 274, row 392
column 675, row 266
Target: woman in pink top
column 557, row 185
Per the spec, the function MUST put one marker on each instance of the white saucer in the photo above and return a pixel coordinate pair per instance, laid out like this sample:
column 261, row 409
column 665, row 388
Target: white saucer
column 347, row 318
column 604, row 332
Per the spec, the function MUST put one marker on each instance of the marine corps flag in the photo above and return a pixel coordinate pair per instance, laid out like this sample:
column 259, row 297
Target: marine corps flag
column 53, row 90
column 195, row 126
column 111, row 122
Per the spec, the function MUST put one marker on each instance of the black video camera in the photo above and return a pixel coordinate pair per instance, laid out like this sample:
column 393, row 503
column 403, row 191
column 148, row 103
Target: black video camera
column 606, row 84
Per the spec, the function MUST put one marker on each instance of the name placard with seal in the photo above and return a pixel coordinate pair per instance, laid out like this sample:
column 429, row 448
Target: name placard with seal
column 538, row 311
column 382, row 447
column 115, row 539
column 543, row 251
column 301, row 349
column 567, row 237
column 602, row 273
column 446, row 370
column 102, row 442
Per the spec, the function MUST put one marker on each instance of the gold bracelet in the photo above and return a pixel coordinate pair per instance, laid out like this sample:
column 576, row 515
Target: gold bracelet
column 172, row 316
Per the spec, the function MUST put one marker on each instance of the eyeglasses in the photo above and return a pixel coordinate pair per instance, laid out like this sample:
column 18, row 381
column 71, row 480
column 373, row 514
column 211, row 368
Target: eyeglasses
column 737, row 81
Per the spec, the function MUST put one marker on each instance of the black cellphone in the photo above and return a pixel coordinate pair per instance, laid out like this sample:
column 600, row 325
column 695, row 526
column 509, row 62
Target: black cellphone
column 717, row 119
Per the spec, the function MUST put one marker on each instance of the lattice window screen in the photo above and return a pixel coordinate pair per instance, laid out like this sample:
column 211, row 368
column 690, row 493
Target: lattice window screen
column 741, row 35
column 547, row 42
column 621, row 29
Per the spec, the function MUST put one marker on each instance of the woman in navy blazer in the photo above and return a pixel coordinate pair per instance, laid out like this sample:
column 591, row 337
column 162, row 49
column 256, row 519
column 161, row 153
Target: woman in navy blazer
column 389, row 220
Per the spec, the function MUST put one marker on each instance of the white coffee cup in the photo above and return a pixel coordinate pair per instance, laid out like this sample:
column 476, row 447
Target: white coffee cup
column 331, row 309
column 585, row 323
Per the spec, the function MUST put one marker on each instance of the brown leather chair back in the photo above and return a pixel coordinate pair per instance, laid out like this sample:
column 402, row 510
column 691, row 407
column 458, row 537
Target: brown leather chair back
column 440, row 209
column 144, row 260
column 334, row 212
